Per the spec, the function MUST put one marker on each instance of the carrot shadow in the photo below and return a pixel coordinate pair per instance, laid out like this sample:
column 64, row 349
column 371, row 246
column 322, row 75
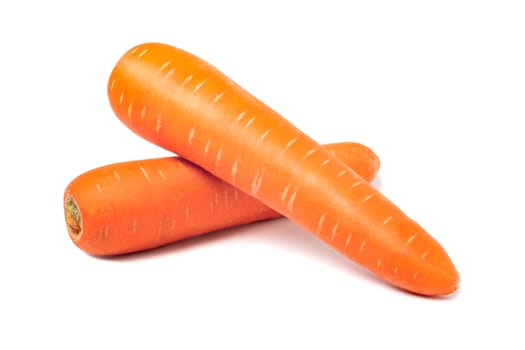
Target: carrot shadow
column 378, row 183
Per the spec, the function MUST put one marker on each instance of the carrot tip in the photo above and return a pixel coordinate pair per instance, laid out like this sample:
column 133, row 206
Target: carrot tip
column 73, row 218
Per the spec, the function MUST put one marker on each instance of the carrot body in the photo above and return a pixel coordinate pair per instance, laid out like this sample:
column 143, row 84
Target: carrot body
column 183, row 104
column 137, row 205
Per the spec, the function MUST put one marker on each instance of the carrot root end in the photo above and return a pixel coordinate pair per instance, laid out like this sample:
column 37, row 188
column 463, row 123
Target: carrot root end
column 73, row 218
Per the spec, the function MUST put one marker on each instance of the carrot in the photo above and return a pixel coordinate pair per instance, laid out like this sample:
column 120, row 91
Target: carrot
column 137, row 205
column 182, row 103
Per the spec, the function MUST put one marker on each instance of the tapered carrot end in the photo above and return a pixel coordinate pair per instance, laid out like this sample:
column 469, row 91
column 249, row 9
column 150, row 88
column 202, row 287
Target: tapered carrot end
column 439, row 277
column 423, row 267
column 447, row 282
column 450, row 280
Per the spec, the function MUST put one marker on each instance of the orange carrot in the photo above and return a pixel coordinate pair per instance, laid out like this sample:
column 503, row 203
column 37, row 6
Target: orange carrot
column 183, row 104
column 137, row 205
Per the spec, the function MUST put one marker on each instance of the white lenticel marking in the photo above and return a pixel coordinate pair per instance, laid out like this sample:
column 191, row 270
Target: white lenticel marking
column 145, row 173
column 291, row 201
column 341, row 173
column 158, row 123
column 218, row 97
column 287, row 146
column 256, row 184
column 290, row 143
column 170, row 72
column 367, row 198
column 249, row 123
column 284, row 193
column 199, row 85
column 334, row 231
column 130, row 110
column 320, row 222
column 207, row 147
column 143, row 52
column 357, row 183
column 424, row 255
column 325, row 162
column 226, row 197
column 187, row 80
column 308, row 154
column 387, row 220
column 116, row 174
column 219, row 156
column 263, row 136
column 410, row 239
column 191, row 136
column 347, row 242
column 240, row 116
column 166, row 64
column 234, row 169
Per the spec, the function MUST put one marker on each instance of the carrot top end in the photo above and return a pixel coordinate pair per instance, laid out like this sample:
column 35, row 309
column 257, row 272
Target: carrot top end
column 73, row 218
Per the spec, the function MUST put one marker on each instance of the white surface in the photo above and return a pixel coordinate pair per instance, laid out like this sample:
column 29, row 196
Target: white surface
column 437, row 90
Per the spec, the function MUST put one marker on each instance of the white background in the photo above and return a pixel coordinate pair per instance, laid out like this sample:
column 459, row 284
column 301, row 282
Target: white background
column 435, row 88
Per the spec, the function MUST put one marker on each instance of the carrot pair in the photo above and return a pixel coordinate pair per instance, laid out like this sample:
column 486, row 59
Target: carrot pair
column 183, row 104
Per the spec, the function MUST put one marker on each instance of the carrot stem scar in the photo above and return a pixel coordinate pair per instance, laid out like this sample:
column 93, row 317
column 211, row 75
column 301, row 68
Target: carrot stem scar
column 73, row 218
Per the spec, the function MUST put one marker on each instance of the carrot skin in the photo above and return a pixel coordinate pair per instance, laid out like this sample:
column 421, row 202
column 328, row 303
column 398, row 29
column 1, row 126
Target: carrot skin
column 183, row 104
column 165, row 200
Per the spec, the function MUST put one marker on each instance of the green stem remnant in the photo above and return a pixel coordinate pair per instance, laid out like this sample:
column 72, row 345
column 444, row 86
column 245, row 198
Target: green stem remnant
column 73, row 218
